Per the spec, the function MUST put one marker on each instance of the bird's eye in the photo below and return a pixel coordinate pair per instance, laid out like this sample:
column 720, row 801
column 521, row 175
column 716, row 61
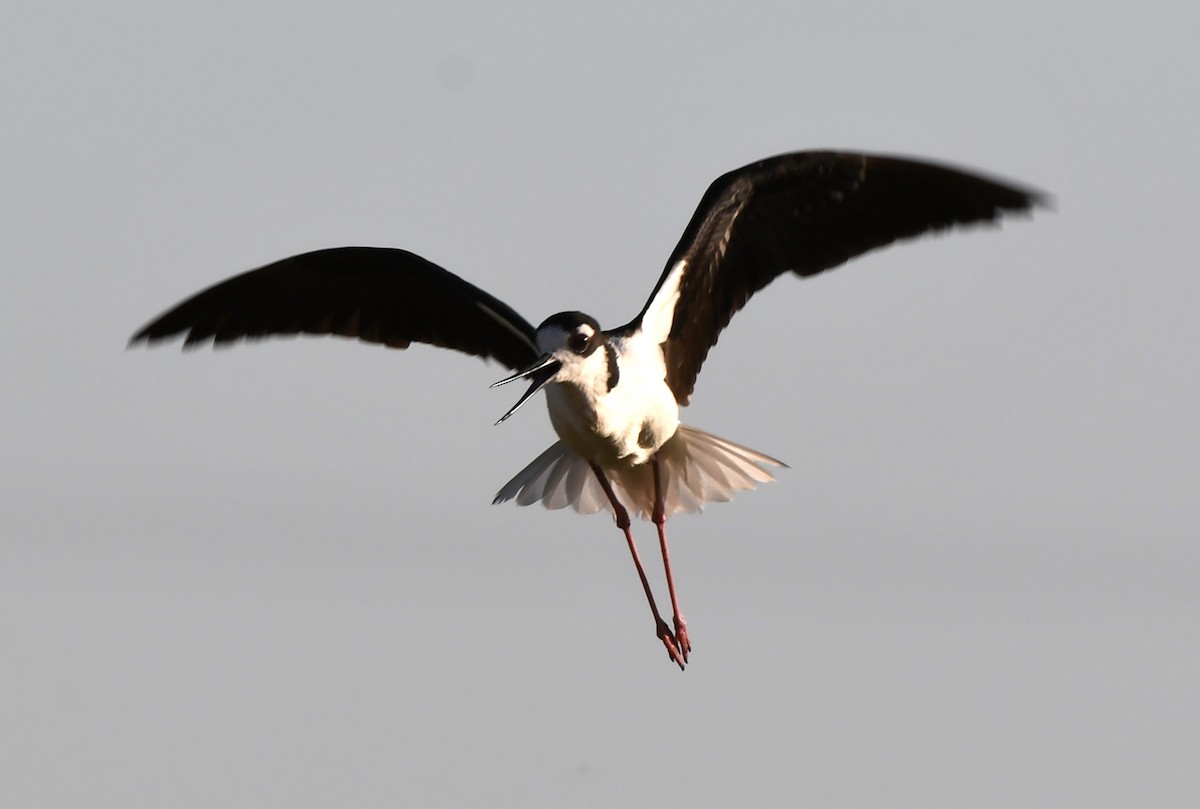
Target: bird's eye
column 578, row 343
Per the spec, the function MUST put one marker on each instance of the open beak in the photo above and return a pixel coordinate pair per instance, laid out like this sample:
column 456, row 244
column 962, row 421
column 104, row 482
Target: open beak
column 541, row 372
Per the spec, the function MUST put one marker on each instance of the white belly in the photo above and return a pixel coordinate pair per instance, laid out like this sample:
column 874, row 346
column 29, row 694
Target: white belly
column 611, row 433
column 623, row 427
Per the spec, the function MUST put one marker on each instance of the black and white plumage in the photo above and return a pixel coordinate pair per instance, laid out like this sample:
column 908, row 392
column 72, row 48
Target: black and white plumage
column 614, row 395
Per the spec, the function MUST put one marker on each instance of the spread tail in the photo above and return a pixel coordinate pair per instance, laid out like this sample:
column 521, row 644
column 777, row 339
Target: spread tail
column 697, row 468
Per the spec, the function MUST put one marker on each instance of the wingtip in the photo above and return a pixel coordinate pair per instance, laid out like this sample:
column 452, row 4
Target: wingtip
column 1042, row 200
column 141, row 336
column 150, row 338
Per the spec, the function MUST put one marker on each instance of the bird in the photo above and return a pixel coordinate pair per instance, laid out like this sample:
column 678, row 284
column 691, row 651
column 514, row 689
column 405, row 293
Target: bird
column 614, row 395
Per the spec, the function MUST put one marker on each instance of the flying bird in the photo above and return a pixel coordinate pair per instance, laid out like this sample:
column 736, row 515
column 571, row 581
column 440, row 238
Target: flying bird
column 614, row 394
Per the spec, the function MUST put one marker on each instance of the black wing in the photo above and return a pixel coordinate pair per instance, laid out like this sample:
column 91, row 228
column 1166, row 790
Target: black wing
column 376, row 294
column 806, row 212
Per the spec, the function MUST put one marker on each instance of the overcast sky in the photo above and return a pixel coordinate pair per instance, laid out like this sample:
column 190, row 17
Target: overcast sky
column 272, row 576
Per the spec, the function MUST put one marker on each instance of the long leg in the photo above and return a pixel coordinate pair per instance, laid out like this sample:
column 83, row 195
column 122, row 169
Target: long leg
column 660, row 626
column 660, row 521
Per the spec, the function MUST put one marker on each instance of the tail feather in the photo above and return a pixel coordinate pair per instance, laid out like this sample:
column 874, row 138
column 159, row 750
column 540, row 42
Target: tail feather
column 696, row 468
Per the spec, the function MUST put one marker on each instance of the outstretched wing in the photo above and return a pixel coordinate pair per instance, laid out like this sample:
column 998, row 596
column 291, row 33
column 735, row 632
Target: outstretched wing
column 804, row 212
column 377, row 294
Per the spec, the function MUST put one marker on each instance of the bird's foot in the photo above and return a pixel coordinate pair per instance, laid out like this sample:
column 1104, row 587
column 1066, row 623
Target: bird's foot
column 673, row 650
column 681, row 637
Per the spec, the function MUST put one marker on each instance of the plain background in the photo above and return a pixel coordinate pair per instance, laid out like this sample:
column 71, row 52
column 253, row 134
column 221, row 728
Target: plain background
column 272, row 576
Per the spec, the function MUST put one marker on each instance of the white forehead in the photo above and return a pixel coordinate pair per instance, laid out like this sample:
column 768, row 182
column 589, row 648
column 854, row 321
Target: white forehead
column 552, row 337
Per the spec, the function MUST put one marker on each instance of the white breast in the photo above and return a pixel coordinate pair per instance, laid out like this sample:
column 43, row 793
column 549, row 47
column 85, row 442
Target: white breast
column 623, row 427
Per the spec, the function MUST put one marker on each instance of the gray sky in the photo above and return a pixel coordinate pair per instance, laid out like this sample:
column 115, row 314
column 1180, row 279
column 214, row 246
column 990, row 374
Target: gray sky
column 272, row 576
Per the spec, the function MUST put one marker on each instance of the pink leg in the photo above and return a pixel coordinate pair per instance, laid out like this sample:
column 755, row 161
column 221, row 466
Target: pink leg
column 660, row 626
column 660, row 521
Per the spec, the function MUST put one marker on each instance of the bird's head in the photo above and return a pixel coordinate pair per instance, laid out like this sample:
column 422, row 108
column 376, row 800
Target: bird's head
column 568, row 342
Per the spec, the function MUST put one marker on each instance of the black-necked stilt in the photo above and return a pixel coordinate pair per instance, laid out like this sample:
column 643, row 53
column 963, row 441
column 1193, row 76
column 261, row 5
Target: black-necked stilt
column 614, row 395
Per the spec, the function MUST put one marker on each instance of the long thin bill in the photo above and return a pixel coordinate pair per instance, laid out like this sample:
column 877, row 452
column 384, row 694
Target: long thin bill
column 541, row 372
column 529, row 370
